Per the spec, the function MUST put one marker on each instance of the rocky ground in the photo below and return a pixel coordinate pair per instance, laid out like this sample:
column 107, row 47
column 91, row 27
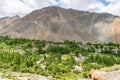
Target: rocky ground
column 22, row 76
column 111, row 75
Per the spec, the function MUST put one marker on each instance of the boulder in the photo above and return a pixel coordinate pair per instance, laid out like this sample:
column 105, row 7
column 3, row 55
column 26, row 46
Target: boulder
column 96, row 75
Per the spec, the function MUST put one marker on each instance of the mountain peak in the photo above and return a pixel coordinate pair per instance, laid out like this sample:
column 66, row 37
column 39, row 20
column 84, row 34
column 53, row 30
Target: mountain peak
column 50, row 7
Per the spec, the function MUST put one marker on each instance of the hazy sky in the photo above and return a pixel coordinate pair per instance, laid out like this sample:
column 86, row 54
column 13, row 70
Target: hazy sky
column 23, row 7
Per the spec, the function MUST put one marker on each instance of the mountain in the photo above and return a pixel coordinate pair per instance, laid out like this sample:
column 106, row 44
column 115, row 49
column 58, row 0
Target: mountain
column 3, row 18
column 6, row 21
column 58, row 24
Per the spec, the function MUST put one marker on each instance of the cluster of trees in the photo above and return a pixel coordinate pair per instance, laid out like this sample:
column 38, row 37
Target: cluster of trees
column 102, row 59
column 56, row 59
column 58, row 49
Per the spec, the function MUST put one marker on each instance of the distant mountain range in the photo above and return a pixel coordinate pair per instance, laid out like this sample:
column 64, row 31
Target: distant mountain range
column 3, row 18
column 58, row 24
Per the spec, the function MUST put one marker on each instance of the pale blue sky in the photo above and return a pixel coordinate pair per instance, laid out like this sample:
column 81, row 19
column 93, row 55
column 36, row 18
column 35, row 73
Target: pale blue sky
column 59, row 2
column 105, row 2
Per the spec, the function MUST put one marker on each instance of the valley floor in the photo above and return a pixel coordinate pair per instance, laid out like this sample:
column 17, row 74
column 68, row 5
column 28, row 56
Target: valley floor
column 24, row 59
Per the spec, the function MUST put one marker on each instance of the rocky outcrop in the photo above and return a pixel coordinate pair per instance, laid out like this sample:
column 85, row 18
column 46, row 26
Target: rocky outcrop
column 96, row 75
column 104, row 75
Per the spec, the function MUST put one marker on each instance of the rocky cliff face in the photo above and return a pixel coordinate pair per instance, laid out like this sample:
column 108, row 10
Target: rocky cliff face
column 58, row 24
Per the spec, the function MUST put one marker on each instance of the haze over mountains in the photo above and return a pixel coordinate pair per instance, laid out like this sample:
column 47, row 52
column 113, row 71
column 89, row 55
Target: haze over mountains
column 58, row 24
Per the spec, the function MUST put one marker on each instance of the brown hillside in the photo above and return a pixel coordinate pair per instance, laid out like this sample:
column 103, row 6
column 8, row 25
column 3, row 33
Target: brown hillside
column 58, row 24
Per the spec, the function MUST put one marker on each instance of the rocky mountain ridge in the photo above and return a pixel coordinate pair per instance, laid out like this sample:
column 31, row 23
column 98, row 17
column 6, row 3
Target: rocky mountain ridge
column 58, row 24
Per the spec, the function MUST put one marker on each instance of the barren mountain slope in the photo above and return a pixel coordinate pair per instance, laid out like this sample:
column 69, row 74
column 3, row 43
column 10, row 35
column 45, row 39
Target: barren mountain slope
column 58, row 24
column 7, row 21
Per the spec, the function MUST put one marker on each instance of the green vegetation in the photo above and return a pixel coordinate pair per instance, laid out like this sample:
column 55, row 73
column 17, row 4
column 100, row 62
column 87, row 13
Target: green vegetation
column 56, row 59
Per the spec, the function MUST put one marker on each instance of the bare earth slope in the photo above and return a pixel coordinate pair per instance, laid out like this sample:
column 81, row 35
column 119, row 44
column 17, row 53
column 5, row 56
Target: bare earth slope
column 58, row 24
column 7, row 21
